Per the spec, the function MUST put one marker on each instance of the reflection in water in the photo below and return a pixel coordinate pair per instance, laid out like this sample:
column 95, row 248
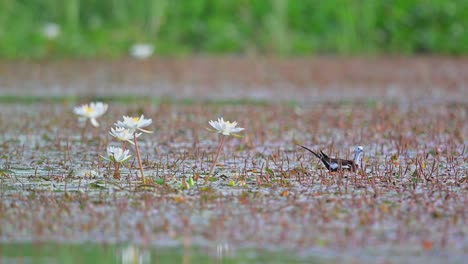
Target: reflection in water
column 222, row 250
column 134, row 255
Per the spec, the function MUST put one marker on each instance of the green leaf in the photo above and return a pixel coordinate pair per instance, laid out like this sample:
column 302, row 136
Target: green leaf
column 159, row 181
column 6, row 173
column 190, row 181
column 321, row 243
column 232, row 183
column 270, row 172
column 106, row 158
column 125, row 160
column 97, row 185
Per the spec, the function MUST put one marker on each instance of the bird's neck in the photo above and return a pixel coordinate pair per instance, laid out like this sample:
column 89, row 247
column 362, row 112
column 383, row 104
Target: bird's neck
column 357, row 157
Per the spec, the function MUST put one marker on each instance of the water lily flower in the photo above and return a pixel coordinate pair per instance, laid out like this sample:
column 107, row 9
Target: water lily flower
column 123, row 134
column 135, row 123
column 225, row 127
column 51, row 30
column 142, row 50
column 118, row 155
column 91, row 111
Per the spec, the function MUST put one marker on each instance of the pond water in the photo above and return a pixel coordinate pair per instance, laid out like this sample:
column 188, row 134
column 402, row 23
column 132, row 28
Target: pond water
column 268, row 200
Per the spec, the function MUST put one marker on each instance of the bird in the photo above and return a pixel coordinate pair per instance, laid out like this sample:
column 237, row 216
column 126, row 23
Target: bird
column 335, row 165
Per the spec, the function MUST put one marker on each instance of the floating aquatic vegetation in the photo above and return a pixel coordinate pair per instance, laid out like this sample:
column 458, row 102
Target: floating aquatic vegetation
column 270, row 193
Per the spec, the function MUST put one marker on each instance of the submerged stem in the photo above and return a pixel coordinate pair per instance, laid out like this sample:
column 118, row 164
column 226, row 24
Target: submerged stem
column 143, row 179
column 221, row 144
column 117, row 164
column 116, row 170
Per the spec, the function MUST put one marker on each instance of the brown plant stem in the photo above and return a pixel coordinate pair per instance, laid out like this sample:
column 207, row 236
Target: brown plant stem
column 116, row 170
column 221, row 144
column 143, row 179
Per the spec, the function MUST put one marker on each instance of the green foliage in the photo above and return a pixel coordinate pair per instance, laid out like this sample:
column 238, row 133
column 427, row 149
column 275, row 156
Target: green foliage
column 109, row 27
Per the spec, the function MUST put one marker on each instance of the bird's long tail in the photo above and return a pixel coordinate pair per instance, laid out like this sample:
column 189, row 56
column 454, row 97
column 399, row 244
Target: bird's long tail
column 311, row 151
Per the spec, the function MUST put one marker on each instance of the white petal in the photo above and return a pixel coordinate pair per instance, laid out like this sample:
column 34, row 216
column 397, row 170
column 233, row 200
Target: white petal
column 237, row 129
column 145, row 131
column 94, row 122
column 215, row 125
column 79, row 110
column 76, row 110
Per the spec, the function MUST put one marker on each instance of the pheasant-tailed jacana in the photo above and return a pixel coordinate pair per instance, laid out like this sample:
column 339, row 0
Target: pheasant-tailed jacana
column 334, row 165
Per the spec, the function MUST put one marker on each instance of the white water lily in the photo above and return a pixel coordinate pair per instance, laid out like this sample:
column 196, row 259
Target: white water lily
column 225, row 127
column 123, row 134
column 142, row 50
column 91, row 111
column 116, row 154
column 135, row 123
column 51, row 30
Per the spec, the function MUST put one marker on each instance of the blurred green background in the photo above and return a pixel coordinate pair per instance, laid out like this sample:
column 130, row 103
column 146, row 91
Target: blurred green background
column 109, row 28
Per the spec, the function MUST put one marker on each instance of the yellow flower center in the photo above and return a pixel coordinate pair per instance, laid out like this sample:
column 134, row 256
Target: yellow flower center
column 136, row 119
column 88, row 109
